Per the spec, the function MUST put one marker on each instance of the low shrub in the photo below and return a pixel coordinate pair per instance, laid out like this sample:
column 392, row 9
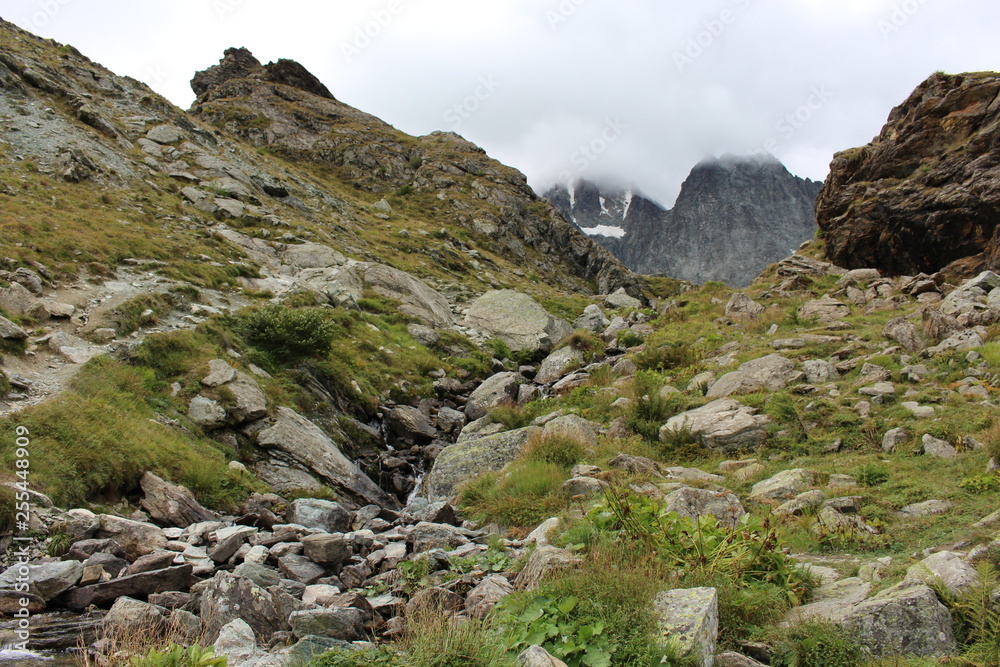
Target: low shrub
column 288, row 334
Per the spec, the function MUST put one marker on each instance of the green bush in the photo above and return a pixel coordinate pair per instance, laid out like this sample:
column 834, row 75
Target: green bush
column 872, row 474
column 288, row 334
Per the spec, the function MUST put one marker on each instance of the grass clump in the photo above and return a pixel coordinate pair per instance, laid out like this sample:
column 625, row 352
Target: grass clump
column 555, row 448
column 103, row 433
column 432, row 639
column 528, row 493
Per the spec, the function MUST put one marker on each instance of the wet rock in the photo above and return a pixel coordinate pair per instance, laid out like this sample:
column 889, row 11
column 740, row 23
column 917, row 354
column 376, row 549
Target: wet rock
column 46, row 580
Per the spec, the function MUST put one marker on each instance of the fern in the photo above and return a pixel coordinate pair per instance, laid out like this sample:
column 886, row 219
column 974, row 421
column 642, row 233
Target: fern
column 976, row 615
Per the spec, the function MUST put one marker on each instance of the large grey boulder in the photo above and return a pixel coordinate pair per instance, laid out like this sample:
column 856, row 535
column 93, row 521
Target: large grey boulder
column 139, row 585
column 171, row 504
column 963, row 341
column 10, row 331
column 46, row 580
column 559, row 363
column 137, row 538
column 826, row 310
column 832, row 602
column 689, row 619
column 592, row 320
column 820, row 371
column 483, row 598
column 542, row 562
column 905, row 333
column 344, row 623
column 941, row 449
column 417, row 298
column 324, row 515
column 467, row 459
column 573, row 427
column 17, row 300
column 496, row 390
column 786, row 485
column 772, row 372
column 946, row 567
column 406, row 421
column 724, row 425
column 694, row 503
column 517, row 320
column 298, row 442
column 906, row 619
column 227, row 597
column 742, row 307
column 248, row 401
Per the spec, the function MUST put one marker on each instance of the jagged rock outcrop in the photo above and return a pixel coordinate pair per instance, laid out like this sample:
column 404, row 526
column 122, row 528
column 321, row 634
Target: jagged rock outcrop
column 925, row 194
column 734, row 216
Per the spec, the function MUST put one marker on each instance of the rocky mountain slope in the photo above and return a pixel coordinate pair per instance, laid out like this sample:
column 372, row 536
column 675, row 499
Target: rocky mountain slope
column 925, row 194
column 282, row 414
column 734, row 216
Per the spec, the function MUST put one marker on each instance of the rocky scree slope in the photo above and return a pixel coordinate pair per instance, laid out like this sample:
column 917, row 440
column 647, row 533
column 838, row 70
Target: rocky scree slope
column 852, row 412
column 734, row 216
column 923, row 196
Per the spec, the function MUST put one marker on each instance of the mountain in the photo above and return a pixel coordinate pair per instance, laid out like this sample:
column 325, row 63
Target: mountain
column 924, row 195
column 733, row 217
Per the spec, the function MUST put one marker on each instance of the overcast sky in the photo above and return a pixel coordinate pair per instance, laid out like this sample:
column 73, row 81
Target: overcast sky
column 631, row 91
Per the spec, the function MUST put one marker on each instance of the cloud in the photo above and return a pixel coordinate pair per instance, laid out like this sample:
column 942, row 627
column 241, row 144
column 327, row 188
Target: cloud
column 681, row 79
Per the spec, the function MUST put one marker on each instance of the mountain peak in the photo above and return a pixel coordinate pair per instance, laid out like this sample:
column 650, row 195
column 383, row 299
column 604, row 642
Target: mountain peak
column 240, row 63
column 735, row 215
